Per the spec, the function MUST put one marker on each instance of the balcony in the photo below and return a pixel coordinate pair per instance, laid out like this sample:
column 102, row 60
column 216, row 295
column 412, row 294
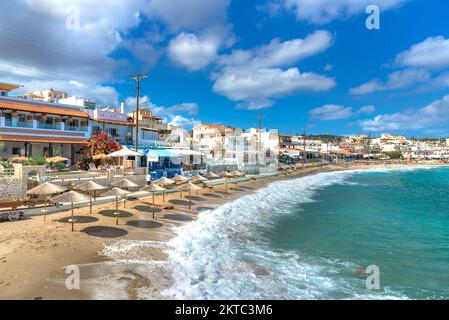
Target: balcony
column 49, row 126
column 75, row 128
column 18, row 124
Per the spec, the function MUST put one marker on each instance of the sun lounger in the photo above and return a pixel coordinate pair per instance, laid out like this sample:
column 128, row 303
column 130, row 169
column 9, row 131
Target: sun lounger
column 12, row 215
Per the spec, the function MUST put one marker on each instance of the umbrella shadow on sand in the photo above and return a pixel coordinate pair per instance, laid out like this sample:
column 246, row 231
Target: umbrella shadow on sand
column 237, row 189
column 195, row 198
column 211, row 195
column 179, row 202
column 104, row 232
column 144, row 224
column 147, row 209
column 78, row 219
column 111, row 213
column 177, row 217
column 225, row 193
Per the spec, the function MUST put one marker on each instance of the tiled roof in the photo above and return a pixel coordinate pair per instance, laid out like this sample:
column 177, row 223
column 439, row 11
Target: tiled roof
column 37, row 139
column 23, row 106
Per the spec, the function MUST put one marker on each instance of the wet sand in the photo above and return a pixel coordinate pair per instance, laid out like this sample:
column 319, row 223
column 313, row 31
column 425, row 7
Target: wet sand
column 34, row 253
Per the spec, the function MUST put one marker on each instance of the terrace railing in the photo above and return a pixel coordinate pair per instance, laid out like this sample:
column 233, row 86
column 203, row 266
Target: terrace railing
column 19, row 124
column 75, row 128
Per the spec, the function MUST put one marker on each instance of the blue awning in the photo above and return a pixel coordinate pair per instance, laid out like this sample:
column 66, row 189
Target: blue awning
column 160, row 152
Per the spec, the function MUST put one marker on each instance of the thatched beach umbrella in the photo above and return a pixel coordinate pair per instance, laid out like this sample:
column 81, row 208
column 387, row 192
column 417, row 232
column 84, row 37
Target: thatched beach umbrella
column 90, row 186
column 163, row 182
column 197, row 179
column 56, row 159
column 227, row 175
column 237, row 174
column 189, row 187
column 101, row 156
column 117, row 192
column 46, row 189
column 180, row 179
column 152, row 188
column 70, row 197
column 16, row 159
column 210, row 175
column 125, row 183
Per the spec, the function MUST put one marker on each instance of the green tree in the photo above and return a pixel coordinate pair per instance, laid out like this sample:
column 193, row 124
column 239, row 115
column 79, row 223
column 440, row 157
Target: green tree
column 394, row 155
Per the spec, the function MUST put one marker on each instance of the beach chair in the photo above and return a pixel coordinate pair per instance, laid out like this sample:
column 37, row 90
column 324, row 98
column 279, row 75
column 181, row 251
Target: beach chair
column 13, row 215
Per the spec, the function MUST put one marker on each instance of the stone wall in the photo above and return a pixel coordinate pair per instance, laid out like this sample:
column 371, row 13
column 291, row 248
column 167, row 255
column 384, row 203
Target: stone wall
column 11, row 188
column 15, row 187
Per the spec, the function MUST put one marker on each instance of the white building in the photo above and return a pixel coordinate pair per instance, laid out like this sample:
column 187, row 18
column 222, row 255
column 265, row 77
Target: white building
column 35, row 128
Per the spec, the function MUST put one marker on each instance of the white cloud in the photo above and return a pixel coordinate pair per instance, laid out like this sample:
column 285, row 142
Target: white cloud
column 186, row 123
column 324, row 11
column 279, row 54
column 433, row 116
column 331, row 112
column 43, row 48
column 103, row 95
column 186, row 108
column 432, row 53
column 190, row 15
column 144, row 51
column 243, row 84
column 193, row 52
column 396, row 80
column 177, row 114
column 44, row 52
column 254, row 77
column 255, row 104
column 328, row 67
column 189, row 108
column 366, row 110
column 338, row 112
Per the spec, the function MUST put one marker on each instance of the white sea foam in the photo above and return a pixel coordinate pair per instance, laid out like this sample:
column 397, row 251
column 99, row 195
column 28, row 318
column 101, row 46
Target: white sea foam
column 221, row 256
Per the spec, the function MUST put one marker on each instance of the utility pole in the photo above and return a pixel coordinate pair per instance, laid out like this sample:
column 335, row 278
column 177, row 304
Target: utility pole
column 304, row 140
column 259, row 149
column 138, row 78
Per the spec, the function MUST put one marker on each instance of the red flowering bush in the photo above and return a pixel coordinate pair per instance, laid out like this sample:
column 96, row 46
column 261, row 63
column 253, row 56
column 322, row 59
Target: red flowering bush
column 97, row 144
column 102, row 143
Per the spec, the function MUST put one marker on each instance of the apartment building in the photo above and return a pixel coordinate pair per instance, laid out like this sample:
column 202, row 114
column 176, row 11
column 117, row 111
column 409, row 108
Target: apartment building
column 212, row 139
column 41, row 128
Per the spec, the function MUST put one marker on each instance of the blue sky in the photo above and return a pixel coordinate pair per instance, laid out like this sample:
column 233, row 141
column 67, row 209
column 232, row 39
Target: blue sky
column 298, row 62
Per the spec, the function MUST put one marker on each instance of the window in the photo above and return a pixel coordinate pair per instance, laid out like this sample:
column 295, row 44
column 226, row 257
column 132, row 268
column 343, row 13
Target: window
column 112, row 132
column 16, row 151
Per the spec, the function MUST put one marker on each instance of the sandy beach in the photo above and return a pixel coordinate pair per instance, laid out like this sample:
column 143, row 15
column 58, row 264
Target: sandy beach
column 34, row 253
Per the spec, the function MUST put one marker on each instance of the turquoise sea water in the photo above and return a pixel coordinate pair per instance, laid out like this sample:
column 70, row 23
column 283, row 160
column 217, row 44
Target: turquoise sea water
column 309, row 238
column 398, row 221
